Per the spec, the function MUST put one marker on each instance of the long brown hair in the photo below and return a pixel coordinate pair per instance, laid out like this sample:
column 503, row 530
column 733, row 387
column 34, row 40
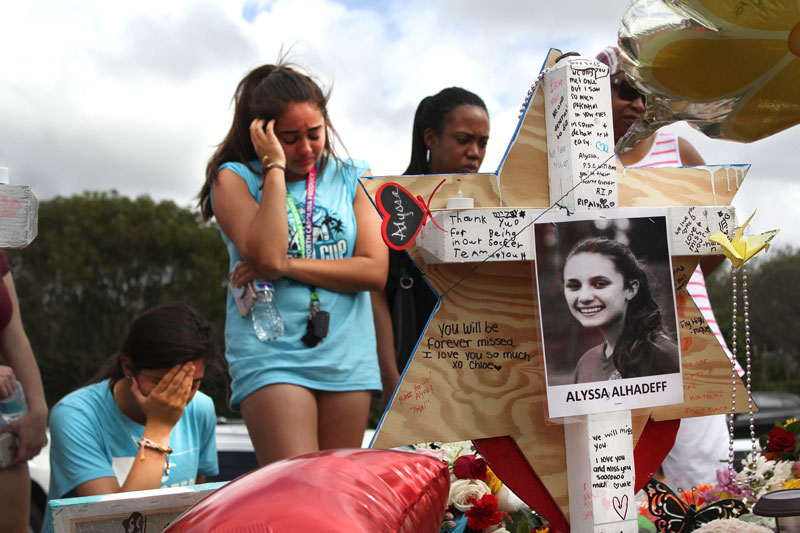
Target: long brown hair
column 265, row 93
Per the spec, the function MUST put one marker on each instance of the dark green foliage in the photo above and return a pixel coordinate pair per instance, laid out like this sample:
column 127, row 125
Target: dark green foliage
column 101, row 259
column 522, row 521
column 774, row 294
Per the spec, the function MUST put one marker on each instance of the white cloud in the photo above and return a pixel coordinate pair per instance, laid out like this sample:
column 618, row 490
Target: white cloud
column 100, row 95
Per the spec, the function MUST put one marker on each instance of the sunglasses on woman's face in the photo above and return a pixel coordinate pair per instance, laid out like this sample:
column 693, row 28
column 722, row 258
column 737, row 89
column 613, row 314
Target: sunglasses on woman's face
column 625, row 91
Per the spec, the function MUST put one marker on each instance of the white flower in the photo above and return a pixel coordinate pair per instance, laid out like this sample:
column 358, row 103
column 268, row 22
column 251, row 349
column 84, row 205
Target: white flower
column 499, row 530
column 756, row 470
column 781, row 473
column 508, row 501
column 454, row 450
column 450, row 450
column 762, row 475
column 461, row 490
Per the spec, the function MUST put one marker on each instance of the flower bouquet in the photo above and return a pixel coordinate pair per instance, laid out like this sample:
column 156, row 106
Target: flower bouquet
column 478, row 500
column 775, row 466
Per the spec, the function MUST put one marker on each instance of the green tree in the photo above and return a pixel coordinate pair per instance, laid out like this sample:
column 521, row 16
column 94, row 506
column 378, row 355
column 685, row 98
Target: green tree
column 774, row 297
column 101, row 259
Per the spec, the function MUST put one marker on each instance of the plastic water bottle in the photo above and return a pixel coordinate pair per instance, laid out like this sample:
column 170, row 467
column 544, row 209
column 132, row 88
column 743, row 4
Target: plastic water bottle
column 13, row 407
column 266, row 319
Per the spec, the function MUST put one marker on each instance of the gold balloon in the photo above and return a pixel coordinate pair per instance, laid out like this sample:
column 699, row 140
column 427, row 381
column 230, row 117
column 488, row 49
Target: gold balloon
column 730, row 68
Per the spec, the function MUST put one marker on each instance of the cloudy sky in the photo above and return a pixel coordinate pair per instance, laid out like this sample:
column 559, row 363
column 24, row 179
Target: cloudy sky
column 134, row 96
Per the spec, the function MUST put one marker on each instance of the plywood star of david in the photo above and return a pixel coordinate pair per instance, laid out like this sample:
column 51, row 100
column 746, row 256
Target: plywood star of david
column 443, row 397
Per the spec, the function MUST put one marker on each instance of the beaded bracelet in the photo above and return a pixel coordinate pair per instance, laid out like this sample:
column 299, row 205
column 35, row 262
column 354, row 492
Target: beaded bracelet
column 147, row 443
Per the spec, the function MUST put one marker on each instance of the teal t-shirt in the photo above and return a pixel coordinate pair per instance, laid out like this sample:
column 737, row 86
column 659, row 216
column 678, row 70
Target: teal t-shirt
column 90, row 438
column 347, row 358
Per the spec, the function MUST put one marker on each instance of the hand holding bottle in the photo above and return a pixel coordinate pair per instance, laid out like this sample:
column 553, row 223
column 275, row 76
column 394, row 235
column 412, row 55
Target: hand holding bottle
column 8, row 381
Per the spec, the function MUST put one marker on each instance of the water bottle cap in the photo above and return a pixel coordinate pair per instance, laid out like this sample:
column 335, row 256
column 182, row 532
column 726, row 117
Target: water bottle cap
column 262, row 285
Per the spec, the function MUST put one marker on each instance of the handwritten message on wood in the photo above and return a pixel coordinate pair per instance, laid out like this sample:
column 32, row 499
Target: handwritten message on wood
column 473, row 235
column 579, row 136
column 607, row 501
column 482, row 348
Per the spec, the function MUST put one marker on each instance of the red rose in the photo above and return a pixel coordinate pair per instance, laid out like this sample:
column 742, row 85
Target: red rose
column 470, row 467
column 483, row 513
column 780, row 440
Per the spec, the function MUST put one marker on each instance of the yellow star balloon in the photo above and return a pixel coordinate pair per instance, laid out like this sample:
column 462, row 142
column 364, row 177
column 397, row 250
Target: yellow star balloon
column 740, row 250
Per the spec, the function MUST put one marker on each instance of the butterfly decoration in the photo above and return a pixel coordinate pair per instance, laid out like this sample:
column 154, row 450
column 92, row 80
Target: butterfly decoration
column 674, row 515
column 403, row 214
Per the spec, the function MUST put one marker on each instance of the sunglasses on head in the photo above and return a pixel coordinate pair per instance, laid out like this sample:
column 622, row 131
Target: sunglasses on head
column 625, row 91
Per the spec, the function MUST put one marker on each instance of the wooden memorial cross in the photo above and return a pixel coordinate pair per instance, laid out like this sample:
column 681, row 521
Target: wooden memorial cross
column 477, row 372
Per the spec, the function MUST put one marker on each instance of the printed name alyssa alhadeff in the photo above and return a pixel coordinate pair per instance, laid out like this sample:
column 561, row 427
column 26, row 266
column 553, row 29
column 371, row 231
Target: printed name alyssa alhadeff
column 614, row 395
column 601, row 393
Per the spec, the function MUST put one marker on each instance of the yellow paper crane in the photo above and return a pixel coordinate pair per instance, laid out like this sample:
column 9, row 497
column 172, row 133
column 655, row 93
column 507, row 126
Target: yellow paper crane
column 740, row 250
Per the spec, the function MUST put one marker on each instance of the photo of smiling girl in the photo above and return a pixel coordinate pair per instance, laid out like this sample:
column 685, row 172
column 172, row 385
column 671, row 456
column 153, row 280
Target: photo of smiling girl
column 606, row 300
column 606, row 288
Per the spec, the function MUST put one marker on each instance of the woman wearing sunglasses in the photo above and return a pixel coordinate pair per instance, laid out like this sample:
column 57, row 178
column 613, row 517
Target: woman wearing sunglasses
column 661, row 149
column 701, row 443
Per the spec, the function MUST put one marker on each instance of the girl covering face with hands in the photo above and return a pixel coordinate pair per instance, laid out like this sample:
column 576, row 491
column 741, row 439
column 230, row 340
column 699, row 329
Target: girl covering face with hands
column 605, row 287
column 142, row 424
column 291, row 211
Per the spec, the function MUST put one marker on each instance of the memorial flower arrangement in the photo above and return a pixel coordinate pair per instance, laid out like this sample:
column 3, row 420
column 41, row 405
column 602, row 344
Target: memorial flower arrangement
column 478, row 500
column 775, row 466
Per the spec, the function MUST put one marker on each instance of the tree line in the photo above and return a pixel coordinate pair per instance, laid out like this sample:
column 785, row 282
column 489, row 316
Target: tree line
column 774, row 296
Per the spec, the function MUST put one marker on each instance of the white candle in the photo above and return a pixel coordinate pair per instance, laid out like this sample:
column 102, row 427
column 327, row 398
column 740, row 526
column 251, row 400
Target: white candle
column 460, row 202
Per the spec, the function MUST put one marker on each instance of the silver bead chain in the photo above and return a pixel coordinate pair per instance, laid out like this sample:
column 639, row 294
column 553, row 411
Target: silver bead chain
column 748, row 368
column 749, row 359
column 734, row 312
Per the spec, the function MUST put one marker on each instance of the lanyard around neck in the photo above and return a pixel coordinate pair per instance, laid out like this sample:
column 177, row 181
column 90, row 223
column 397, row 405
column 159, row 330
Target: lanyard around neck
column 307, row 243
